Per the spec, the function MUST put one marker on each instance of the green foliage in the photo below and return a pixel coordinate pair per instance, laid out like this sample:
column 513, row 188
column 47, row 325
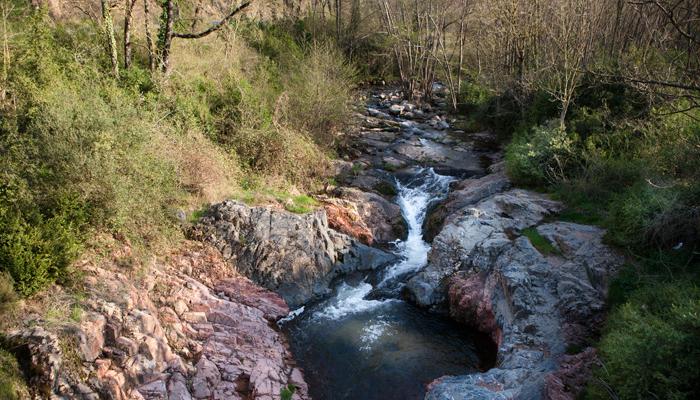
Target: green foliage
column 12, row 386
column 636, row 174
column 76, row 313
column 37, row 253
column 635, row 211
column 385, row 188
column 540, row 242
column 650, row 349
column 301, row 204
column 76, row 150
column 137, row 79
column 542, row 155
column 7, row 292
column 287, row 392
column 196, row 215
column 617, row 99
column 281, row 42
column 473, row 99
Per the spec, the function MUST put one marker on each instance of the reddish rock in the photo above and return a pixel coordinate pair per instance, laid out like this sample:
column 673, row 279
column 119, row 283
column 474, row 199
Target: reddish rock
column 470, row 303
column 345, row 219
column 571, row 377
column 192, row 328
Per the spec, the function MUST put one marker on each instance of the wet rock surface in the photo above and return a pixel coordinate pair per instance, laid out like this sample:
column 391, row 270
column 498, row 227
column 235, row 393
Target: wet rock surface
column 396, row 134
column 483, row 227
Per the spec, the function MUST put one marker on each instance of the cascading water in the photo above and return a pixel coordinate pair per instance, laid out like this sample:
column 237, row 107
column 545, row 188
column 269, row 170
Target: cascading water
column 357, row 346
column 415, row 197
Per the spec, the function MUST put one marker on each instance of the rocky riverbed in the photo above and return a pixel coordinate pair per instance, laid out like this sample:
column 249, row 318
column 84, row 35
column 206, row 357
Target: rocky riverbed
column 423, row 213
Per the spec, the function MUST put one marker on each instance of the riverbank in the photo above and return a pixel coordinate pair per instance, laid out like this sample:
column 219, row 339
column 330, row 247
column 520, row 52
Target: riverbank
column 524, row 292
column 541, row 305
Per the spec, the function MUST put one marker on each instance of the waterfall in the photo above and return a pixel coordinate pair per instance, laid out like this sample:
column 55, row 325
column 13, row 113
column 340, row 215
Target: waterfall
column 415, row 196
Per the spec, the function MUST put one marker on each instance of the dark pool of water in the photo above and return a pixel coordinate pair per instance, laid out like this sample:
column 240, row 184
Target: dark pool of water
column 365, row 343
column 393, row 350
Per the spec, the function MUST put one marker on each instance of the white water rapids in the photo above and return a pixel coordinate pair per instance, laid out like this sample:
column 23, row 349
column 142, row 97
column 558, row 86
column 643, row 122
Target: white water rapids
column 414, row 197
column 364, row 342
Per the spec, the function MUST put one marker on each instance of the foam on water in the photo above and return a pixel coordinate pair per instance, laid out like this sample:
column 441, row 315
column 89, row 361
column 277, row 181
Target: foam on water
column 350, row 300
column 372, row 332
column 415, row 198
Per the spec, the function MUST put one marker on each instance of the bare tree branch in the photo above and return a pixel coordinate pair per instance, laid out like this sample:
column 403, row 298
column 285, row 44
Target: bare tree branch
column 214, row 27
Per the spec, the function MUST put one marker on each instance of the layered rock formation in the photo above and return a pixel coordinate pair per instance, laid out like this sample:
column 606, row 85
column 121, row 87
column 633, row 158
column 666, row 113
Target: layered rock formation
column 187, row 328
column 364, row 215
column 533, row 305
column 295, row 255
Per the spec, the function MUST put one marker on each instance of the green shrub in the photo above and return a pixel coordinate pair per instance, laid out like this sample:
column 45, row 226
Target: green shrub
column 542, row 155
column 587, row 195
column 650, row 347
column 12, row 386
column 76, row 149
column 276, row 41
column 472, row 97
column 7, row 292
column 587, row 122
column 287, row 392
column 635, row 213
column 37, row 253
column 319, row 94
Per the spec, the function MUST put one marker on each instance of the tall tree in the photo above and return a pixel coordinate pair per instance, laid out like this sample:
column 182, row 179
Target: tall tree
column 108, row 28
column 152, row 56
column 128, row 18
column 568, row 44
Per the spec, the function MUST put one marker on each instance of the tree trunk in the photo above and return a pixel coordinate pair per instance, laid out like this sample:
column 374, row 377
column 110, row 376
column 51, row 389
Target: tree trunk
column 562, row 114
column 338, row 19
column 165, row 36
column 149, row 39
column 128, row 17
column 6, row 59
column 108, row 26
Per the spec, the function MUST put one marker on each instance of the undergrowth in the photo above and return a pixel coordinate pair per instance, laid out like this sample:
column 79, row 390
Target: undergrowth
column 84, row 152
column 12, row 386
column 541, row 243
column 634, row 170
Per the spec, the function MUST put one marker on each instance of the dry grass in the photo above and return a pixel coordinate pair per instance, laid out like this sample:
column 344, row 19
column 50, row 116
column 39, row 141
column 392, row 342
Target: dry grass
column 204, row 170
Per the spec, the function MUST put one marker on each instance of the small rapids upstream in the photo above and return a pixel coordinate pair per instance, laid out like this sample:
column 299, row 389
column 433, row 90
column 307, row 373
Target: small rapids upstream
column 365, row 341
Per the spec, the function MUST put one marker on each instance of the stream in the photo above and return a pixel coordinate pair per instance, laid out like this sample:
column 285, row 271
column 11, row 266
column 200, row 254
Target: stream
column 365, row 341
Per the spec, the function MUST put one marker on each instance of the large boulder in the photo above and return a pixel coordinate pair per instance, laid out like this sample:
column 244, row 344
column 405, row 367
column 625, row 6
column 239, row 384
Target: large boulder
column 294, row 255
column 533, row 305
column 382, row 217
column 490, row 221
column 464, row 193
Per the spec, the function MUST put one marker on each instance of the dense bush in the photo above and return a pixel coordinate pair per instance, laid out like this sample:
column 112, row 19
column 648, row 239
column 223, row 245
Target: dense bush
column 7, row 292
column 36, row 251
column 83, row 151
column 328, row 98
column 73, row 134
column 650, row 350
column 542, row 155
